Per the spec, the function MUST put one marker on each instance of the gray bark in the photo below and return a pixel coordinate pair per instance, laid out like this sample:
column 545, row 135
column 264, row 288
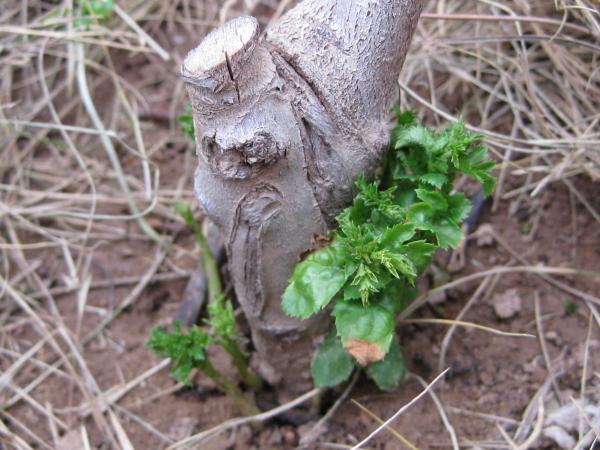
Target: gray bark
column 285, row 123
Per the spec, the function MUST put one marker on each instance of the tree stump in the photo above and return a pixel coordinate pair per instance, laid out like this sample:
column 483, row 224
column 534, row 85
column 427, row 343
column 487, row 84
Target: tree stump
column 285, row 123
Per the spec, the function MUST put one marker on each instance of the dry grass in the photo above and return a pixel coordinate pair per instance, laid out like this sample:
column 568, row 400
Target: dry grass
column 85, row 178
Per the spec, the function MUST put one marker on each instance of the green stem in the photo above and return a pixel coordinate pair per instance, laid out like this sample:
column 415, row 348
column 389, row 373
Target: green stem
column 315, row 404
column 216, row 297
column 247, row 407
column 240, row 361
column 209, row 262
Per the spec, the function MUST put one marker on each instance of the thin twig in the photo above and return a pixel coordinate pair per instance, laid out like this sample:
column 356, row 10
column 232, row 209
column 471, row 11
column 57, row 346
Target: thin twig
column 318, row 429
column 399, row 412
column 440, row 408
column 234, row 423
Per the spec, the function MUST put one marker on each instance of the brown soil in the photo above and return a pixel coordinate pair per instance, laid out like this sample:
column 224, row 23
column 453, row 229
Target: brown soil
column 488, row 374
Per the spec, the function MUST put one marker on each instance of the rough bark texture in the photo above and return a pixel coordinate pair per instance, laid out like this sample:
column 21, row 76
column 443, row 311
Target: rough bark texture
column 284, row 125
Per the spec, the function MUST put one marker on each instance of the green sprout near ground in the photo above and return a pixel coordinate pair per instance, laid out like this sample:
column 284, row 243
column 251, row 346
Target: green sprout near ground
column 94, row 11
column 570, row 307
column 384, row 242
column 186, row 123
column 221, row 317
column 188, row 350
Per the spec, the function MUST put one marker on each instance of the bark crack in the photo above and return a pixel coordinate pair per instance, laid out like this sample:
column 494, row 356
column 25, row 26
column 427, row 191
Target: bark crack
column 325, row 167
column 233, row 80
column 254, row 212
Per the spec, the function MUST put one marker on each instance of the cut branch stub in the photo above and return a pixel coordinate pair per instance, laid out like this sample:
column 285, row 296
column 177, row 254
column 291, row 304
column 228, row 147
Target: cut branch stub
column 279, row 148
column 226, row 74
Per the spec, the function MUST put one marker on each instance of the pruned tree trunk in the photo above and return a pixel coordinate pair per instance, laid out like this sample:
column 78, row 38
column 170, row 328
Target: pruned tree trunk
column 285, row 123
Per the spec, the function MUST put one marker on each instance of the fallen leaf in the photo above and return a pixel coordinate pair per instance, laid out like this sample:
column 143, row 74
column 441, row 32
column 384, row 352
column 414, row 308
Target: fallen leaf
column 365, row 352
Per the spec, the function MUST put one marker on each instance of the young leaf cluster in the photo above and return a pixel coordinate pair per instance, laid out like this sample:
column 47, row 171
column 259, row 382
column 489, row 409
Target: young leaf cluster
column 186, row 123
column 187, row 351
column 94, row 11
column 385, row 240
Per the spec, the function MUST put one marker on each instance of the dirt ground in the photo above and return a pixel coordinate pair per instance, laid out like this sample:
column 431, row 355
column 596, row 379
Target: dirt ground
column 492, row 379
column 78, row 303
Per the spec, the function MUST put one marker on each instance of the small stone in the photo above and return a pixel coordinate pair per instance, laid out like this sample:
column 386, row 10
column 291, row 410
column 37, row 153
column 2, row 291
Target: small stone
column 553, row 337
column 507, row 304
column 485, row 235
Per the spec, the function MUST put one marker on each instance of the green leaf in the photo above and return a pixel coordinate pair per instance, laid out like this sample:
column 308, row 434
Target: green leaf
column 372, row 323
column 437, row 180
column 332, row 364
column 394, row 237
column 388, row 236
column 405, row 118
column 394, row 297
column 365, row 281
column 477, row 157
column 420, row 214
column 101, row 10
column 389, row 373
column 419, row 252
column 390, row 297
column 186, row 124
column 459, row 207
column 403, row 266
column 489, row 184
column 407, row 295
column 222, row 318
column 448, row 233
column 351, row 292
column 186, row 350
column 432, row 198
column 459, row 140
column 316, row 280
column 406, row 198
column 415, row 135
column 478, row 167
column 185, row 211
